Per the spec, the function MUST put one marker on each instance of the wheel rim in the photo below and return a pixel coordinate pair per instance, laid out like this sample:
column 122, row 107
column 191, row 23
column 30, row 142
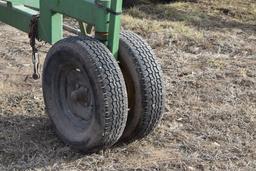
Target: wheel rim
column 74, row 96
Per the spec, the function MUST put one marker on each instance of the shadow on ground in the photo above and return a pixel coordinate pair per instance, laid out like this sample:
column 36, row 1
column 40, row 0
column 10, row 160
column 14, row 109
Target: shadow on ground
column 28, row 142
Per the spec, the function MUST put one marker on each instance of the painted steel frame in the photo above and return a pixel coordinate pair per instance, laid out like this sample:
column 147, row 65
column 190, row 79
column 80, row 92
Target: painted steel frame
column 104, row 15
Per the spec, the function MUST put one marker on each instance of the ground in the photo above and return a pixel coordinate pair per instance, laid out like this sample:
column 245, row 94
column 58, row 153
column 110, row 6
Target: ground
column 207, row 50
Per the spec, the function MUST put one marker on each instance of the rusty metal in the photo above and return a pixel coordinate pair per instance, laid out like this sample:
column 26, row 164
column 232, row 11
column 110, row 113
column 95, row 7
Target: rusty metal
column 33, row 27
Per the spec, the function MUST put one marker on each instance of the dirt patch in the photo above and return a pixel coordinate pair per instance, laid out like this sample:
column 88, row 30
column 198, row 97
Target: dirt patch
column 209, row 61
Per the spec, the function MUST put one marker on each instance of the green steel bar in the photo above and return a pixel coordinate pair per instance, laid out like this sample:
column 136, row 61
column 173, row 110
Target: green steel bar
column 50, row 23
column 114, row 27
column 28, row 3
column 101, row 27
column 17, row 16
column 82, row 10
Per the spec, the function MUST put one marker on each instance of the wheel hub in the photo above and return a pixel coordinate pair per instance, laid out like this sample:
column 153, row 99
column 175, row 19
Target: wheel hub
column 80, row 95
column 76, row 94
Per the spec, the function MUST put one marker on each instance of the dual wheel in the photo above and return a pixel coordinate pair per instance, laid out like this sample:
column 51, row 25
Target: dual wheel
column 95, row 101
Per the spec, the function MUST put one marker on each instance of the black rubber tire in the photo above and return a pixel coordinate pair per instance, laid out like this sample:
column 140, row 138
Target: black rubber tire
column 98, row 121
column 144, row 84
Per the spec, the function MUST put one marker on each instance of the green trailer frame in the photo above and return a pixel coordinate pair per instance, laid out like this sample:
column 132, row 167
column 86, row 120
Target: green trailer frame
column 20, row 13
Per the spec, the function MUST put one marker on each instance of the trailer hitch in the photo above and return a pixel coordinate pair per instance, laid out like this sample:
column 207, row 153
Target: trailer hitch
column 33, row 35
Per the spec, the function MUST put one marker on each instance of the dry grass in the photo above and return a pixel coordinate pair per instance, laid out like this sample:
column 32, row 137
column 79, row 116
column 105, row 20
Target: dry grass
column 208, row 54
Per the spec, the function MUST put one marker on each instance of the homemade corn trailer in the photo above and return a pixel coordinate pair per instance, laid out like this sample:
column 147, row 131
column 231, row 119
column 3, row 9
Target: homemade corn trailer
column 99, row 89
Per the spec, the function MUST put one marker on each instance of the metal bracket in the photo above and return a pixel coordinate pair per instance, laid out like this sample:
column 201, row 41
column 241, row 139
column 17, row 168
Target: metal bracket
column 109, row 10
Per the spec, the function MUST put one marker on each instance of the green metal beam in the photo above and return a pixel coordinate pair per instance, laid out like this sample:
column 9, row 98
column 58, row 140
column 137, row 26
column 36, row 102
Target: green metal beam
column 114, row 27
column 82, row 10
column 50, row 24
column 28, row 3
column 17, row 16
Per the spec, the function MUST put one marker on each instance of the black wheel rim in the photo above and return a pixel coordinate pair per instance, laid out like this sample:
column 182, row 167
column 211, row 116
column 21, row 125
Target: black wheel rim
column 74, row 96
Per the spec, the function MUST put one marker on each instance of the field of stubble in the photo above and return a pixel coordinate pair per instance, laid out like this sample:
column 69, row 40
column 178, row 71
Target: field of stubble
column 207, row 50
